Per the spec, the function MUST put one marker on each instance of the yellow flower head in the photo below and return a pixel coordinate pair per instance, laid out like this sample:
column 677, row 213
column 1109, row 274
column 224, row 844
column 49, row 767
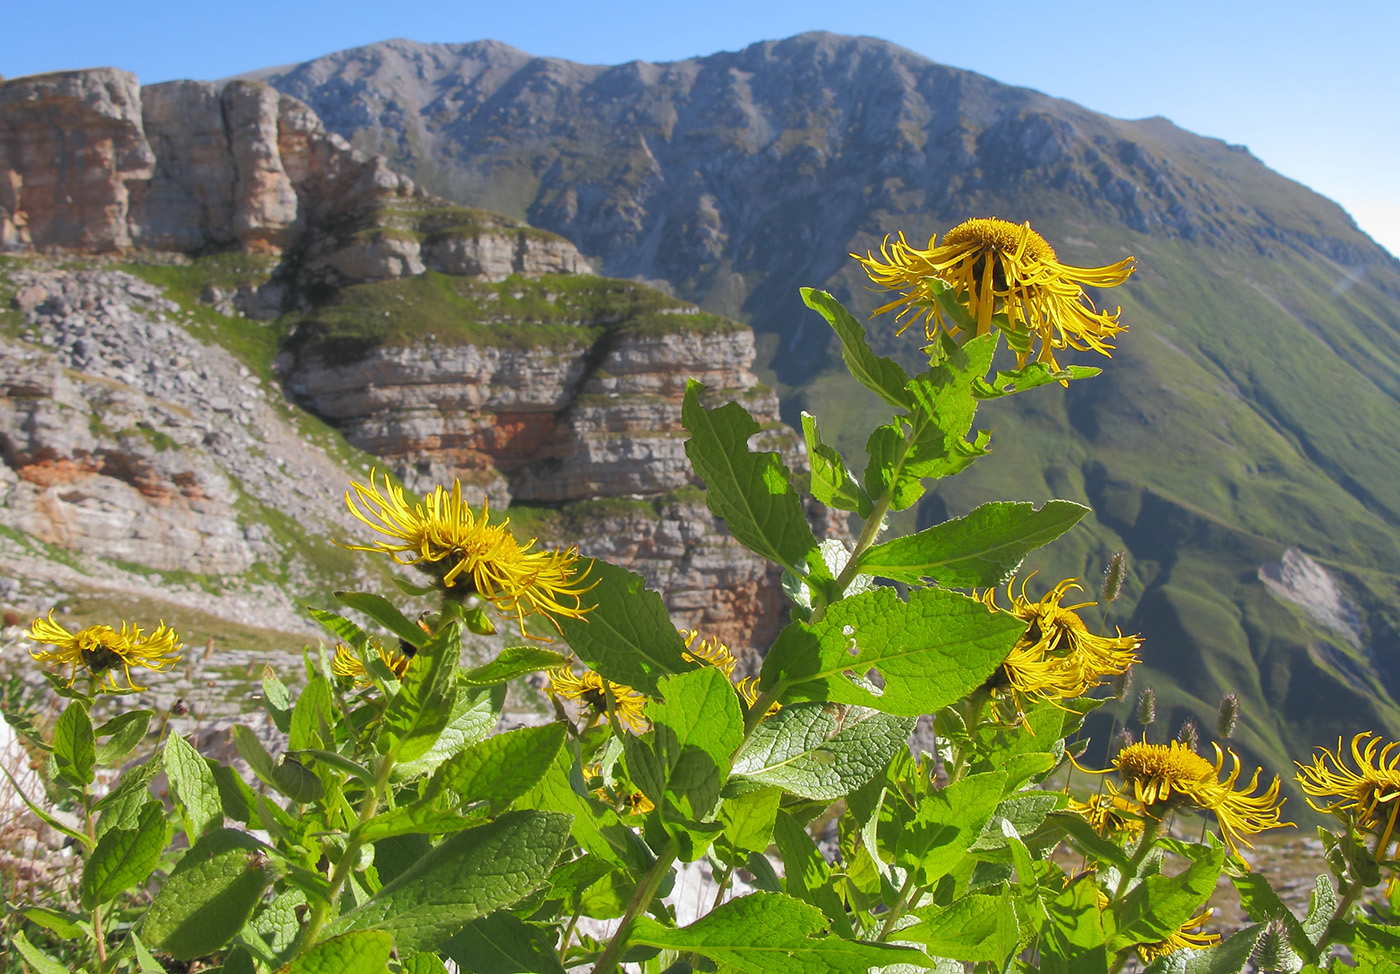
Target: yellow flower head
column 1110, row 814
column 102, row 650
column 1368, row 796
column 444, row 538
column 346, row 664
column 1162, row 774
column 998, row 267
column 1058, row 658
column 1187, row 935
column 632, row 801
column 708, row 650
column 588, row 689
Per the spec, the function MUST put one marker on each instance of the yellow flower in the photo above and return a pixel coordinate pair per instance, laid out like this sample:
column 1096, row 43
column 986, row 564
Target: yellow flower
column 634, row 801
column 346, row 664
column 1187, row 935
column 1109, row 814
column 1368, row 796
column 588, row 689
column 101, row 650
column 998, row 267
column 709, row 650
column 1162, row 775
column 445, row 539
column 1058, row 658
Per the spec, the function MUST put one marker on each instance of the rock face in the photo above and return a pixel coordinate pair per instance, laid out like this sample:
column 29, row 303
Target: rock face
column 90, row 162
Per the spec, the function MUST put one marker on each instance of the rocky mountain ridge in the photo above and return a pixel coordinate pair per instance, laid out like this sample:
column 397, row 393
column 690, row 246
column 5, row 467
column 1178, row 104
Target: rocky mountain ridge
column 148, row 421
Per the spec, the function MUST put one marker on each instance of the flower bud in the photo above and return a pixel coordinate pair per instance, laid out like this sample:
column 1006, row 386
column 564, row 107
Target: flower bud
column 1113, row 577
column 1147, row 707
column 1122, row 683
column 1124, row 738
column 1229, row 716
column 1273, row 952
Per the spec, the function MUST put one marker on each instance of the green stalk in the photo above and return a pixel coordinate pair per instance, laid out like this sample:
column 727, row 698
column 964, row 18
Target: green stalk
column 321, row 911
column 897, row 909
column 646, row 892
column 1150, row 826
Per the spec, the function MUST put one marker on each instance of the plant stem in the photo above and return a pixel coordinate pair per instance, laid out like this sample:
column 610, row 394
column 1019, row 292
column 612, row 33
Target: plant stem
column 568, row 934
column 896, row 910
column 723, row 885
column 97, row 934
column 1150, row 826
column 651, row 882
column 319, row 913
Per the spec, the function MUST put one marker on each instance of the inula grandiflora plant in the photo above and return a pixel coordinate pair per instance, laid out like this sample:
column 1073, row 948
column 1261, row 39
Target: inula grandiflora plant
column 391, row 829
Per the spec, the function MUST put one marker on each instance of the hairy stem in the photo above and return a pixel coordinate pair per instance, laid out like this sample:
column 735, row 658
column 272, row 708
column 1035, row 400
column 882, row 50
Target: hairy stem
column 651, row 882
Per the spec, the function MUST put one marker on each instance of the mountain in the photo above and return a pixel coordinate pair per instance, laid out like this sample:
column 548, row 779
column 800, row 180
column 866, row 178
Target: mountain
column 1240, row 444
column 215, row 314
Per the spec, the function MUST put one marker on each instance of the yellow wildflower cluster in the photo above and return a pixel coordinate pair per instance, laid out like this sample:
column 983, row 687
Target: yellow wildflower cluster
column 347, row 665
column 1369, row 797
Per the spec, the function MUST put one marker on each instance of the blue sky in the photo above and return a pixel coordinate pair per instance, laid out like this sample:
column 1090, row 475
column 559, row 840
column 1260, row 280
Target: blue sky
column 1313, row 93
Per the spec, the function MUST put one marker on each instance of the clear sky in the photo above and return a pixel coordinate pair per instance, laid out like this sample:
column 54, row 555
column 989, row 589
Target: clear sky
column 1312, row 89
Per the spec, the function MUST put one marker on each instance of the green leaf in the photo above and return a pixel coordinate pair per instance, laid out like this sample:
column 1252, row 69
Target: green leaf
column 807, row 875
column 423, row 962
column 209, row 895
column 474, row 715
column 469, row 875
column 514, row 661
column 123, row 732
column 1322, row 904
column 976, row 927
column 1158, row 906
column 74, row 747
column 36, row 958
column 24, row 727
column 1025, row 810
column 418, row 818
column 880, row 375
column 67, row 925
column 1261, row 904
column 1074, row 940
column 629, row 637
column 947, row 823
column 423, row 706
column 314, row 710
column 684, row 759
column 748, row 819
column 981, row 549
column 930, row 651
column 1033, row 375
column 1082, row 834
column 1230, row 956
column 287, row 776
column 335, row 760
column 751, row 492
column 124, row 857
column 832, row 482
column 145, row 963
column 499, row 769
column 195, row 792
column 820, row 751
column 384, row 612
column 503, row 944
column 596, row 827
column 770, row 933
column 360, row 952
column 43, row 815
column 276, row 698
column 344, row 630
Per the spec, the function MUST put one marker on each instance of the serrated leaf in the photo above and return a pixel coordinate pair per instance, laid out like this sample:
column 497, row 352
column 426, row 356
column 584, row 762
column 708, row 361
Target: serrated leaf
column 314, row 710
column 425, row 962
column 596, row 826
column 1230, row 956
column 1074, row 938
column 276, row 699
column 344, row 630
column 361, row 952
column 947, row 823
column 74, row 746
column 514, row 661
column 145, row 963
column 979, row 550
column 503, row 944
column 806, row 873
column 196, row 793
column 930, row 651
column 499, row 769
column 471, row 874
column 1035, row 374
column 124, row 857
column 832, row 481
column 770, row 933
column 209, row 895
column 1025, row 810
column 24, row 727
column 474, row 716
column 417, row 714
column 123, row 733
column 1261, row 904
column 684, row 759
column 418, row 818
column 882, row 376
column 975, row 927
column 629, row 637
column 1082, row 834
column 384, row 612
column 287, row 776
column 820, row 751
column 1158, row 906
column 748, row 819
column 751, row 492
column 1322, row 904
